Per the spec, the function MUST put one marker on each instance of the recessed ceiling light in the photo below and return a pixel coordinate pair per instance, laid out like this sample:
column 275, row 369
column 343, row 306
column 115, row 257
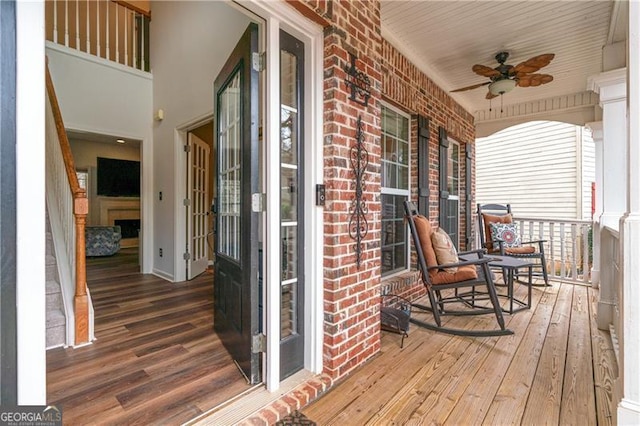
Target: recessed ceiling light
column 120, row 140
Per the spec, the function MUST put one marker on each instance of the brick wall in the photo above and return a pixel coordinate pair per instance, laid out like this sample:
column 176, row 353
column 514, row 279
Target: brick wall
column 405, row 86
column 352, row 294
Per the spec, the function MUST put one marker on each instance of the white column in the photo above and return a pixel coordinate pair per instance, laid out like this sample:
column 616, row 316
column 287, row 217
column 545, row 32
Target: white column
column 612, row 87
column 30, row 227
column 596, row 133
column 629, row 368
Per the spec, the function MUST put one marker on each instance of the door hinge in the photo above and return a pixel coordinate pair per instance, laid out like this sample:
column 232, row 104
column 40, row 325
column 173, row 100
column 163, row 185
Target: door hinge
column 257, row 202
column 186, row 202
column 258, row 61
column 186, row 255
column 187, row 148
column 258, row 343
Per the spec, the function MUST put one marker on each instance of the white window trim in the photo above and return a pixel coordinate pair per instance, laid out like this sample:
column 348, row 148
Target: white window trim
column 397, row 191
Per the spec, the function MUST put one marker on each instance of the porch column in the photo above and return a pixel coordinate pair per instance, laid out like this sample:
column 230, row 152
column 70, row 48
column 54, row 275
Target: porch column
column 596, row 133
column 611, row 86
column 629, row 296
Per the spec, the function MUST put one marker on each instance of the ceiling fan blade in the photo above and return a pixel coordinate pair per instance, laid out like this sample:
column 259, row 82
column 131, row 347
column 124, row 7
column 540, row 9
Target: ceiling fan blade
column 485, row 71
column 490, row 95
column 534, row 80
column 533, row 64
column 475, row 86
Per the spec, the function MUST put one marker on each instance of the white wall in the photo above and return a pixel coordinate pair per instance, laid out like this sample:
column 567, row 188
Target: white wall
column 190, row 41
column 102, row 97
column 534, row 167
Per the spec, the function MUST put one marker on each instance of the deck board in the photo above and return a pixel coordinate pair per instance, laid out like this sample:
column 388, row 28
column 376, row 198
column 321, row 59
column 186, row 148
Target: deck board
column 453, row 380
column 578, row 394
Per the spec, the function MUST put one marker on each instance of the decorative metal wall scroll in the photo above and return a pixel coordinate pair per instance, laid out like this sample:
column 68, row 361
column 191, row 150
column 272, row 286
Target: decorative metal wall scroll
column 358, row 82
column 358, row 226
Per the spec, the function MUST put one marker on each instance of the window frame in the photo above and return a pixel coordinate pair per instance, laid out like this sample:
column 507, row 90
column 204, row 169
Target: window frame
column 394, row 191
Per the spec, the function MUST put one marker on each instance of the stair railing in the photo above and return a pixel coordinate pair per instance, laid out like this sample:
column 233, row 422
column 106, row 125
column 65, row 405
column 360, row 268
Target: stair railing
column 72, row 206
column 110, row 29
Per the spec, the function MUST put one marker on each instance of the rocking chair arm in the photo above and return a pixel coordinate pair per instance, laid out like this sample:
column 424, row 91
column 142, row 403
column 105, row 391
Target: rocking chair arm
column 480, row 252
column 478, row 261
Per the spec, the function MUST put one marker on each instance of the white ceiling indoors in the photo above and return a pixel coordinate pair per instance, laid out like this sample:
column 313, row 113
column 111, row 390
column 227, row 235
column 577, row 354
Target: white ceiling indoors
column 446, row 38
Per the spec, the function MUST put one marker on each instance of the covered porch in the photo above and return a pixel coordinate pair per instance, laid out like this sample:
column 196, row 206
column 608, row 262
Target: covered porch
column 557, row 368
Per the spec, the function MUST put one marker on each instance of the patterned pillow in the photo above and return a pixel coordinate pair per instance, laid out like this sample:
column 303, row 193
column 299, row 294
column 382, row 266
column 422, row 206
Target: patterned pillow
column 445, row 250
column 506, row 232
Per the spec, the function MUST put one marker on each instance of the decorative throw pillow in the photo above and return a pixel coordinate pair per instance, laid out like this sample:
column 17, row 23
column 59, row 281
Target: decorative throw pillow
column 488, row 219
column 506, row 232
column 445, row 250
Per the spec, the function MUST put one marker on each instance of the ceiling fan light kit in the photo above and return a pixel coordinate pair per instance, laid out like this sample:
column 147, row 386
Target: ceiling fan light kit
column 501, row 87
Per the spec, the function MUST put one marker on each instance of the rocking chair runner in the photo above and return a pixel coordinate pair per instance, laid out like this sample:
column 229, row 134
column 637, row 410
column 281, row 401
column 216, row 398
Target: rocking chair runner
column 470, row 274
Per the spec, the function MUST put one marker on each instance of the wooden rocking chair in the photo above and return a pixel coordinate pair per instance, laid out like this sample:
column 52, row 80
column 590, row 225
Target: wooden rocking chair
column 470, row 275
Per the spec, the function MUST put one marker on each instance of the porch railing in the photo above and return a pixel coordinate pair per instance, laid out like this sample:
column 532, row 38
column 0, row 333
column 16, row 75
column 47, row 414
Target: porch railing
column 68, row 207
column 568, row 247
column 112, row 30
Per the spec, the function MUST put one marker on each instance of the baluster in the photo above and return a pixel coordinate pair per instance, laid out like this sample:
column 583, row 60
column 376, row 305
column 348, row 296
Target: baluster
column 66, row 23
column 117, row 6
column 55, row 21
column 563, row 253
column 98, row 49
column 106, row 30
column 88, row 28
column 134, row 39
column 143, row 37
column 574, row 251
column 126, row 38
column 552, row 250
column 78, row 24
column 586, row 269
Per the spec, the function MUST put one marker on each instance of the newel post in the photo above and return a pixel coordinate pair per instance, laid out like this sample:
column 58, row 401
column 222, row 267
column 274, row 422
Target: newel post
column 81, row 302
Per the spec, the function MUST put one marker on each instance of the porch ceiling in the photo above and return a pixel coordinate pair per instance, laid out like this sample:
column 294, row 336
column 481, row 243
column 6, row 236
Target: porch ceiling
column 446, row 38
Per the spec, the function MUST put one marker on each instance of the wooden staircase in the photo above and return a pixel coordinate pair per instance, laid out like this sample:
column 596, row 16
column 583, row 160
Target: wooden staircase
column 67, row 208
column 56, row 319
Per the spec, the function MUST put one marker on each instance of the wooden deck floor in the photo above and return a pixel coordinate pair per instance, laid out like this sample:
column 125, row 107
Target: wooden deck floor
column 156, row 359
column 556, row 369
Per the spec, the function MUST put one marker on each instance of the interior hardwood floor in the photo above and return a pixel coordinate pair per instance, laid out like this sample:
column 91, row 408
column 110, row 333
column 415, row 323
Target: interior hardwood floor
column 156, row 358
column 557, row 369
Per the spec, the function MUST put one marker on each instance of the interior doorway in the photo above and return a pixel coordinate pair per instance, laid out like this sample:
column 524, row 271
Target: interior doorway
column 199, row 170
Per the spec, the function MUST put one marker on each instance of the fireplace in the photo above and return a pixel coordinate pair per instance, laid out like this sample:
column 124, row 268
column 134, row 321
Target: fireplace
column 128, row 227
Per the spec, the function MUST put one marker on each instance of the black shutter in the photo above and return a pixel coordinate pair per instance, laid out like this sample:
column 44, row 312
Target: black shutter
column 423, row 164
column 467, row 195
column 443, row 143
column 8, row 335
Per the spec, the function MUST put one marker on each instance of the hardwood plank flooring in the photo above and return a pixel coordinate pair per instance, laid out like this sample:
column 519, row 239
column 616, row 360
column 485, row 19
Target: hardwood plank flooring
column 156, row 358
column 543, row 374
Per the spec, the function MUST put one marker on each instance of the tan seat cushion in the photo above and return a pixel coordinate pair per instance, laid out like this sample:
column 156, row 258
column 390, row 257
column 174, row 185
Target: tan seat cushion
column 520, row 250
column 424, row 230
column 463, row 273
column 445, row 250
column 488, row 219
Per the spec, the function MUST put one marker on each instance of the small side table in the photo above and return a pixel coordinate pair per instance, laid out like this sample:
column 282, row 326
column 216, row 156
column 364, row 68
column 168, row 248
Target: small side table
column 509, row 266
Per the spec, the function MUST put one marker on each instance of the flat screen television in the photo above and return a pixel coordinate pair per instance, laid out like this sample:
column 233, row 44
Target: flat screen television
column 118, row 178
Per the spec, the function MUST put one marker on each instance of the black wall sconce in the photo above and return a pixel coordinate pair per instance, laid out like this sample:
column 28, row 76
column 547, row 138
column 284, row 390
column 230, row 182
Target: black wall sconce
column 358, row 82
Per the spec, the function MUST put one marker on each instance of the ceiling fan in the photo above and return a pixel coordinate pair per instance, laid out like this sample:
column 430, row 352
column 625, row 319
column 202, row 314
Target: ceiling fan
column 504, row 77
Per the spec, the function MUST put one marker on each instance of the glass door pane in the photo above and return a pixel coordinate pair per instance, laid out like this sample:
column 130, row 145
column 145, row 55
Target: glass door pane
column 229, row 170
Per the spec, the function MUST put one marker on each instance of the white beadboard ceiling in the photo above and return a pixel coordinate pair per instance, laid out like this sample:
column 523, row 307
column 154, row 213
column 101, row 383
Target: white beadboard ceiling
column 446, row 38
